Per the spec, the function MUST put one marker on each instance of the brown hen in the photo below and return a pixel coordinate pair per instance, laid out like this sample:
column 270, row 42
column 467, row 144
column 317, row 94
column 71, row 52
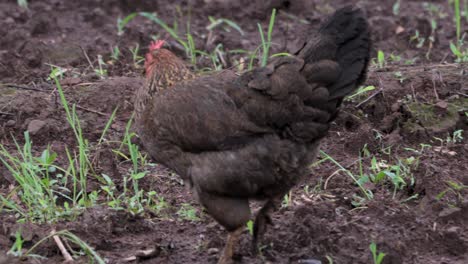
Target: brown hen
column 236, row 138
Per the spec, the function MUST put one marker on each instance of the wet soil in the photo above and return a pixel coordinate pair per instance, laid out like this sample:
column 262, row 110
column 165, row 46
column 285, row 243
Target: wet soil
column 420, row 97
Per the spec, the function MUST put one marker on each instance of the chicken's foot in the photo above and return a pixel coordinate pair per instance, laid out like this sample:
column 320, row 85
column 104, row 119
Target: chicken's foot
column 261, row 221
column 228, row 251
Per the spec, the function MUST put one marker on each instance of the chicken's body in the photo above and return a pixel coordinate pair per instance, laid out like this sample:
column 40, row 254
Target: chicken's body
column 236, row 138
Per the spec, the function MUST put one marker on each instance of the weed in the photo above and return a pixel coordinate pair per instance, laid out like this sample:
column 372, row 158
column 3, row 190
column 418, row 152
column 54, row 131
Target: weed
column 173, row 31
column 35, row 198
column 411, row 61
column 266, row 44
column 121, row 23
column 250, row 227
column 56, row 72
column 101, row 72
column 396, row 8
column 460, row 52
column 72, row 238
column 223, row 21
column 456, row 4
column 419, row 40
column 367, row 193
column 360, row 92
column 465, row 12
column 381, row 59
column 399, row 76
column 395, row 58
column 17, row 248
column 453, row 187
column 287, row 199
column 376, row 256
column 137, row 59
column 455, row 137
column 23, row 3
column 115, row 53
column 378, row 171
column 47, row 192
column 188, row 212
column 81, row 161
column 381, row 170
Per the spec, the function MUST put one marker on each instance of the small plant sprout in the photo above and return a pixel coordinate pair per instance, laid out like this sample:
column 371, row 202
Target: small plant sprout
column 395, row 58
column 17, row 248
column 399, row 76
column 368, row 195
column 23, row 3
column 115, row 53
column 361, row 91
column 419, row 40
column 101, row 71
column 376, row 256
column 396, row 7
column 137, row 59
column 287, row 199
column 453, row 187
column 456, row 4
column 67, row 236
column 381, row 59
column 250, row 227
column 173, row 31
column 56, row 72
column 456, row 137
column 465, row 10
column 121, row 23
column 460, row 52
column 266, row 44
column 188, row 212
column 226, row 23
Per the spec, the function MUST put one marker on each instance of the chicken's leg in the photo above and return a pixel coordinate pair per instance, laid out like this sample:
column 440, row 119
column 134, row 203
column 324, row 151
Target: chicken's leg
column 231, row 242
column 261, row 221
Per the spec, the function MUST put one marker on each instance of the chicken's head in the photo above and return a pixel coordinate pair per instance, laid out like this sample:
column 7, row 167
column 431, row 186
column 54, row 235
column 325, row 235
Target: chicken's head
column 152, row 56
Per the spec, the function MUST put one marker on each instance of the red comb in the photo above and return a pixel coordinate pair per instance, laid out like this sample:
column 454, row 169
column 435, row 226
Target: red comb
column 156, row 45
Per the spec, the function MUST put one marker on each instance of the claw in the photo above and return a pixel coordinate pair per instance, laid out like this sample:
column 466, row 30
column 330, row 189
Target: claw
column 260, row 225
column 228, row 251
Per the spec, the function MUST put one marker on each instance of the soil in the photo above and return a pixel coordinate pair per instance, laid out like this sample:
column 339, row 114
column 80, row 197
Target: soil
column 419, row 98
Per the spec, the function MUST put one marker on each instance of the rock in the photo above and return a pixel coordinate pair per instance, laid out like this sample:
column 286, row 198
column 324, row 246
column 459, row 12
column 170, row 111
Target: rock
column 310, row 261
column 454, row 229
column 212, row 251
column 442, row 104
column 35, row 126
column 70, row 81
column 10, row 123
column 449, row 213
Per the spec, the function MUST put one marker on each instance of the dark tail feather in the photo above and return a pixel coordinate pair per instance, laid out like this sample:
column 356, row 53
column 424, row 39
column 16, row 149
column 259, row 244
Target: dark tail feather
column 344, row 38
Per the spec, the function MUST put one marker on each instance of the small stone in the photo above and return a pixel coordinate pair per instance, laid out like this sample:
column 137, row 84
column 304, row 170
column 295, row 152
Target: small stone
column 396, row 107
column 442, row 104
column 212, row 251
column 9, row 20
column 10, row 123
column 454, row 229
column 399, row 30
column 35, row 126
column 310, row 261
column 449, row 213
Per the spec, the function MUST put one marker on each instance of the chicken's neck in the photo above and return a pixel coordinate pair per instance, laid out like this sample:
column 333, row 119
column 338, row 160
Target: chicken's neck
column 158, row 81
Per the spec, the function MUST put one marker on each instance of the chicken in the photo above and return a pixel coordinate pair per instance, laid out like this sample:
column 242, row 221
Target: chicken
column 234, row 138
